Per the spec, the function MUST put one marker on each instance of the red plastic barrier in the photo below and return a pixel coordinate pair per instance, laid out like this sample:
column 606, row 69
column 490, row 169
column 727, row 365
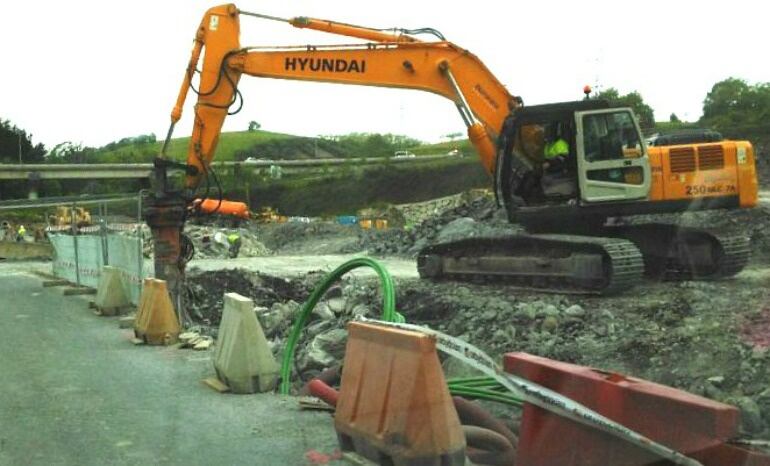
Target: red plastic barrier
column 677, row 419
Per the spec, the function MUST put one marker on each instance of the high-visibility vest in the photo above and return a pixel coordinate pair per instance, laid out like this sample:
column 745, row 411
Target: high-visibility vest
column 233, row 238
column 556, row 148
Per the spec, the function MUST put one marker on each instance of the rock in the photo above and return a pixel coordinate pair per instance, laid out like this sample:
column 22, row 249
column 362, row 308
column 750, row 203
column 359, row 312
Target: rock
column 360, row 310
column 323, row 311
column 575, row 311
column 550, row 323
column 751, row 416
column 550, row 311
column 325, row 349
column 337, row 305
column 460, row 228
column 525, row 311
column 717, row 379
column 280, row 314
column 489, row 314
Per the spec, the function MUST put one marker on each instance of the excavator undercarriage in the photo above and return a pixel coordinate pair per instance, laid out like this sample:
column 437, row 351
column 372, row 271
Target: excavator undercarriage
column 611, row 260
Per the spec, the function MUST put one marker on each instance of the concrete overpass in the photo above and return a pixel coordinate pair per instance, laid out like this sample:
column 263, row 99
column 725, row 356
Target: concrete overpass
column 92, row 171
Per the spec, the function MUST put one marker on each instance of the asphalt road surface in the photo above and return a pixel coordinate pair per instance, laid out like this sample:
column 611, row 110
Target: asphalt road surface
column 75, row 391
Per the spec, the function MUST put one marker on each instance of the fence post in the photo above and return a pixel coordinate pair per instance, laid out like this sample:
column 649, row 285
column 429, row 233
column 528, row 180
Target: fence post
column 103, row 233
column 75, row 242
column 139, row 238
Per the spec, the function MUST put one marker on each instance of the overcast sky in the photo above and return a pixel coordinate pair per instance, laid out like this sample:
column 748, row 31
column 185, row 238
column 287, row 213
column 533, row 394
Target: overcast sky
column 96, row 71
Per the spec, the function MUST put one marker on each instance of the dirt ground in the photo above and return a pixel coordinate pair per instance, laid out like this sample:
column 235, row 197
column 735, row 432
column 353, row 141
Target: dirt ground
column 709, row 338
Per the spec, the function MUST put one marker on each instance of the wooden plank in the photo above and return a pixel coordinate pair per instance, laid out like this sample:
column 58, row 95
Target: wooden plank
column 216, row 384
column 57, row 282
column 78, row 291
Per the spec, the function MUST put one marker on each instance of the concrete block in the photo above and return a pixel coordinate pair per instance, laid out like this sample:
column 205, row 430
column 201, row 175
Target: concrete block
column 394, row 406
column 156, row 322
column 126, row 321
column 243, row 359
column 111, row 298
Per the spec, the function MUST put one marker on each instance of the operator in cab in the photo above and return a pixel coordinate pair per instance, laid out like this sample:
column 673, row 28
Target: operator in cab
column 558, row 179
column 556, row 150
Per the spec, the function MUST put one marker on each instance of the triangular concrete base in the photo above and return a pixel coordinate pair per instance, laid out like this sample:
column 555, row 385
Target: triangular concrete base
column 243, row 359
column 111, row 298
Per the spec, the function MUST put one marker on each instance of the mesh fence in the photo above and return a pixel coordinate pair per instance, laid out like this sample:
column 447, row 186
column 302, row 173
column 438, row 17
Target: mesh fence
column 80, row 258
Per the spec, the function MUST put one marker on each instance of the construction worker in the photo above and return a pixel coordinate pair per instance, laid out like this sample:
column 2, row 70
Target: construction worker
column 234, row 239
column 556, row 150
column 20, row 233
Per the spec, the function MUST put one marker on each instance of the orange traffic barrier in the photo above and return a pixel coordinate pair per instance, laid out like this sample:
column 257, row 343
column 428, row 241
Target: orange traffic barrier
column 394, row 405
column 156, row 322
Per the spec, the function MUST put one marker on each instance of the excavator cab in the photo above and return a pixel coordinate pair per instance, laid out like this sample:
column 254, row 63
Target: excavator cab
column 574, row 153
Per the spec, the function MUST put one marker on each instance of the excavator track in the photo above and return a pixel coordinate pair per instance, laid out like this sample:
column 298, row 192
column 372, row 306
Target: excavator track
column 673, row 252
column 552, row 263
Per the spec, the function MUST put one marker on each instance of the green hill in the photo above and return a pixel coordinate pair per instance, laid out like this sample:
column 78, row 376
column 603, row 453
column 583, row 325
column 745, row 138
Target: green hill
column 260, row 144
column 229, row 145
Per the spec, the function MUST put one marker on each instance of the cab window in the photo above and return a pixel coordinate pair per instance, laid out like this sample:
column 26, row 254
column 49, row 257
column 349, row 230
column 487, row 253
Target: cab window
column 610, row 136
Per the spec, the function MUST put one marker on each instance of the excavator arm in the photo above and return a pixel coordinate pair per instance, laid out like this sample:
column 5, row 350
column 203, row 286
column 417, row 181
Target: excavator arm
column 389, row 58
column 393, row 60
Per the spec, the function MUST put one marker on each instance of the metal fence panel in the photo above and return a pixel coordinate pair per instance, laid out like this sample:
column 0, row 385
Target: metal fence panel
column 88, row 258
column 125, row 254
column 64, row 257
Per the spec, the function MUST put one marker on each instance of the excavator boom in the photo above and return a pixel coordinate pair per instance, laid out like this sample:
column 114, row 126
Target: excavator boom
column 394, row 60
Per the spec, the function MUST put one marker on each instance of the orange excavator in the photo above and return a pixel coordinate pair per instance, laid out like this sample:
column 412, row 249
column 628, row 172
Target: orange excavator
column 606, row 170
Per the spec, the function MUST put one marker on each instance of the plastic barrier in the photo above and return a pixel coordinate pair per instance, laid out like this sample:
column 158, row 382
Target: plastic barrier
column 394, row 405
column 156, row 322
column 677, row 419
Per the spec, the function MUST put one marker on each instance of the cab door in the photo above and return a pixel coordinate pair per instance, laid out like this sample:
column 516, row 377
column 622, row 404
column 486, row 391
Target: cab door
column 612, row 157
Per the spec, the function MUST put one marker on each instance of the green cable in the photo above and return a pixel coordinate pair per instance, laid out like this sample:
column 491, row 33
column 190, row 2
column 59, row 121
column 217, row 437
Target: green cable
column 388, row 308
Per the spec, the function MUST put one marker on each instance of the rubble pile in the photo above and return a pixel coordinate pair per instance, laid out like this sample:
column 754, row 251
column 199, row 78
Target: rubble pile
column 475, row 217
column 211, row 242
column 295, row 238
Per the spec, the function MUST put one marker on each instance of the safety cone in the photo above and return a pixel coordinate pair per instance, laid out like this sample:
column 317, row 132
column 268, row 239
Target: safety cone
column 111, row 298
column 243, row 360
column 394, row 405
column 156, row 322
